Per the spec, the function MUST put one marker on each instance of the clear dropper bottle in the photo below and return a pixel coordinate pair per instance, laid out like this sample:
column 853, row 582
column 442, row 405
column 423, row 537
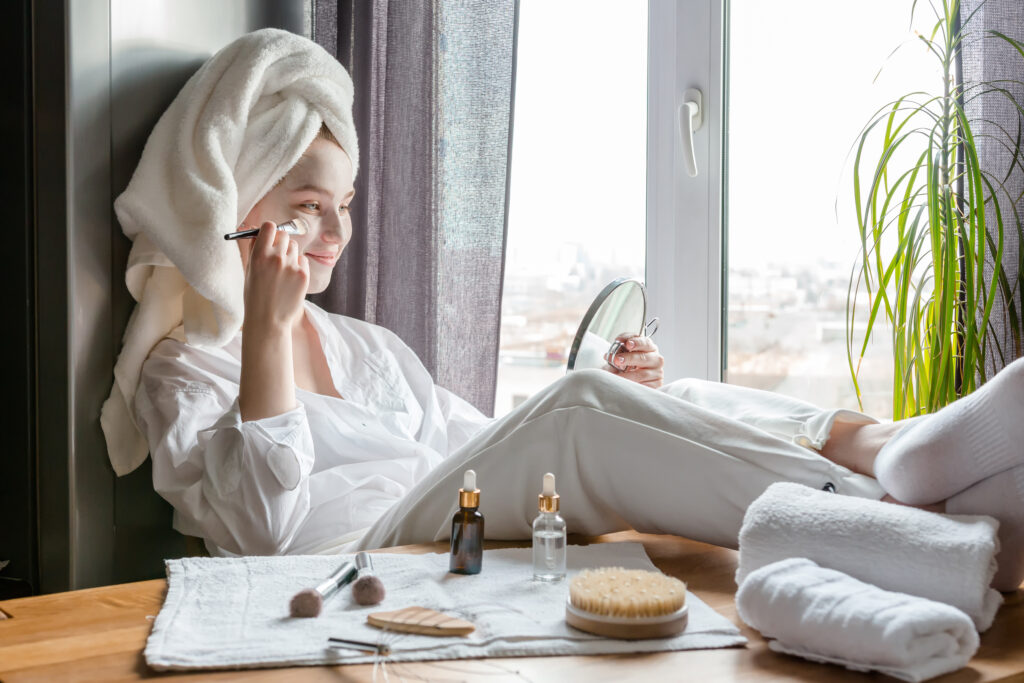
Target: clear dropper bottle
column 548, row 536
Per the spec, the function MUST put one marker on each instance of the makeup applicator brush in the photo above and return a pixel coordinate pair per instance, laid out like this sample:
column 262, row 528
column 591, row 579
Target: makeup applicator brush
column 295, row 226
column 309, row 601
column 368, row 589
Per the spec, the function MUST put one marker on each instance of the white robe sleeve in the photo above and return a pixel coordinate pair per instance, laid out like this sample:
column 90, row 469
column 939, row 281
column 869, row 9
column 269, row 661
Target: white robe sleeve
column 243, row 486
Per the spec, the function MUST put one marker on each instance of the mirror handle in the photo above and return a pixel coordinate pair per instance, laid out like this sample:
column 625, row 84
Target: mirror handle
column 648, row 332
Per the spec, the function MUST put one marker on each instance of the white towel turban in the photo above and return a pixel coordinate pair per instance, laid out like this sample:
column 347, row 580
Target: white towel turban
column 236, row 128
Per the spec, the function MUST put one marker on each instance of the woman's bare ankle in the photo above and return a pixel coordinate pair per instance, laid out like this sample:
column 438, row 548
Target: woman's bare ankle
column 855, row 446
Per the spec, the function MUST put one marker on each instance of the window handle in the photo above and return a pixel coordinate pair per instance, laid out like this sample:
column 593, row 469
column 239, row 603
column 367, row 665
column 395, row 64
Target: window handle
column 691, row 118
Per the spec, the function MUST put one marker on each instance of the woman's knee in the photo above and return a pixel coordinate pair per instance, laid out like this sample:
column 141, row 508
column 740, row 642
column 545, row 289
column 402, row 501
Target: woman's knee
column 584, row 389
column 684, row 388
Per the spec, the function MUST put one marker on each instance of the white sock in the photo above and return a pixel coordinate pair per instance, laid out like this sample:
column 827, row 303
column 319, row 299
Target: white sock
column 1002, row 497
column 971, row 439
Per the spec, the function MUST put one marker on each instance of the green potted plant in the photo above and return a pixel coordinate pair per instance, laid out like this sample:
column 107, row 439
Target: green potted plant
column 932, row 225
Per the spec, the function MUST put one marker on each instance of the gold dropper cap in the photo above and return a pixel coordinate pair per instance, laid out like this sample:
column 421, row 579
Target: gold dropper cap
column 548, row 499
column 469, row 494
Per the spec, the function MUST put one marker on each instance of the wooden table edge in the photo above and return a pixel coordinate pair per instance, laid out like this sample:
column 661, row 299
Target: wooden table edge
column 707, row 569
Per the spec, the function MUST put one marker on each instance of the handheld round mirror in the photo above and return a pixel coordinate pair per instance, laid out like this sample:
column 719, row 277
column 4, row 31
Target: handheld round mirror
column 620, row 308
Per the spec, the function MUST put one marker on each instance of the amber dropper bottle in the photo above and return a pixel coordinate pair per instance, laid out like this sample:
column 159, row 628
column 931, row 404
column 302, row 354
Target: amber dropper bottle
column 467, row 529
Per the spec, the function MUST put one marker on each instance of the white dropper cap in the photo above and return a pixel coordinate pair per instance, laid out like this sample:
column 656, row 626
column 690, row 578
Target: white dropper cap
column 469, row 495
column 549, row 484
column 547, row 501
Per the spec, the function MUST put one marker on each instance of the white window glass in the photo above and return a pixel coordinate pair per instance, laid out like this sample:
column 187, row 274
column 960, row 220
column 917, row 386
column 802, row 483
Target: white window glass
column 578, row 179
column 801, row 86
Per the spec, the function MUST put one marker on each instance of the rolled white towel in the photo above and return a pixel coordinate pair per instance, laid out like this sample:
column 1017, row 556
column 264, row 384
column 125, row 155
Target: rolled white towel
column 826, row 616
column 948, row 558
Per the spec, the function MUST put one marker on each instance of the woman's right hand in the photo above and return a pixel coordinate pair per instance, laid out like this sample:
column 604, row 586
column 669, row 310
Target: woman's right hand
column 276, row 280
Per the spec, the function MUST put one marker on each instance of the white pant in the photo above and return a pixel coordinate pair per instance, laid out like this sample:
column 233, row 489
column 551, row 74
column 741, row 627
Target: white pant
column 687, row 459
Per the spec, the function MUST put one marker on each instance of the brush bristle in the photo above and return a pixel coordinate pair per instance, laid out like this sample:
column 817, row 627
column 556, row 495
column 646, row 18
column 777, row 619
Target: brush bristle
column 368, row 590
column 617, row 592
column 306, row 603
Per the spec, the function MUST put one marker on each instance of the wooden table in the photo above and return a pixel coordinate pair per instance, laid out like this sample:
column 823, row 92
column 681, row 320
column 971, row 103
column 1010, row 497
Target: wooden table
column 99, row 634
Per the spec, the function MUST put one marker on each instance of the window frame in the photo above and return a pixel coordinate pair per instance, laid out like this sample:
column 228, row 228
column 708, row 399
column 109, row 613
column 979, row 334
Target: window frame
column 685, row 236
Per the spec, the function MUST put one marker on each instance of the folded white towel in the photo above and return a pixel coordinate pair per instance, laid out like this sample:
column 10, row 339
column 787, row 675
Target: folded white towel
column 235, row 129
column 826, row 616
column 949, row 558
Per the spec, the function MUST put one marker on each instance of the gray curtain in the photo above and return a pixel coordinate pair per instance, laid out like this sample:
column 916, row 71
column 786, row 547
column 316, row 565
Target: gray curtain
column 434, row 86
column 996, row 124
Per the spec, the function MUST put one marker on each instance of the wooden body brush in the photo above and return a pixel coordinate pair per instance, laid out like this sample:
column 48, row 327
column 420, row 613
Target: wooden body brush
column 626, row 603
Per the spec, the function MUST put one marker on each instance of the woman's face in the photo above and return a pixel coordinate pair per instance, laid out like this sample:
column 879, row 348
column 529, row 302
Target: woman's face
column 318, row 189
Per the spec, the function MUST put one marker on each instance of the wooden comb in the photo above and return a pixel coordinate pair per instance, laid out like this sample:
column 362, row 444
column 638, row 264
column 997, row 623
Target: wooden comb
column 421, row 620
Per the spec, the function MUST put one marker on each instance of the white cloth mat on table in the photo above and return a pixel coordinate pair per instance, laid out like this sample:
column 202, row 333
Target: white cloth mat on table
column 233, row 612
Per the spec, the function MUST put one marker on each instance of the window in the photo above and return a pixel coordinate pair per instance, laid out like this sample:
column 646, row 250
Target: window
column 684, row 246
column 747, row 264
column 578, row 179
column 800, row 84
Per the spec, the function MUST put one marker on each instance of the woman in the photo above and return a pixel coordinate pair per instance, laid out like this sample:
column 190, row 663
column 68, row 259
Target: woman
column 311, row 432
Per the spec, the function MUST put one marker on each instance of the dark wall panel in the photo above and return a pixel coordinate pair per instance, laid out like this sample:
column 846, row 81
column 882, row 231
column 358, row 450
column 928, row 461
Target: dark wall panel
column 103, row 72
column 17, row 344
column 50, row 177
column 154, row 48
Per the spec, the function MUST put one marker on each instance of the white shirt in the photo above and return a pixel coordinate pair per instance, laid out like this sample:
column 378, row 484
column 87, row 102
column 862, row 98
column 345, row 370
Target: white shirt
column 308, row 480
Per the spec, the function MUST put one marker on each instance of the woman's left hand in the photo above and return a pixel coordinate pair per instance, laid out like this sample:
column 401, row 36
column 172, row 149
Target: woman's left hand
column 638, row 360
